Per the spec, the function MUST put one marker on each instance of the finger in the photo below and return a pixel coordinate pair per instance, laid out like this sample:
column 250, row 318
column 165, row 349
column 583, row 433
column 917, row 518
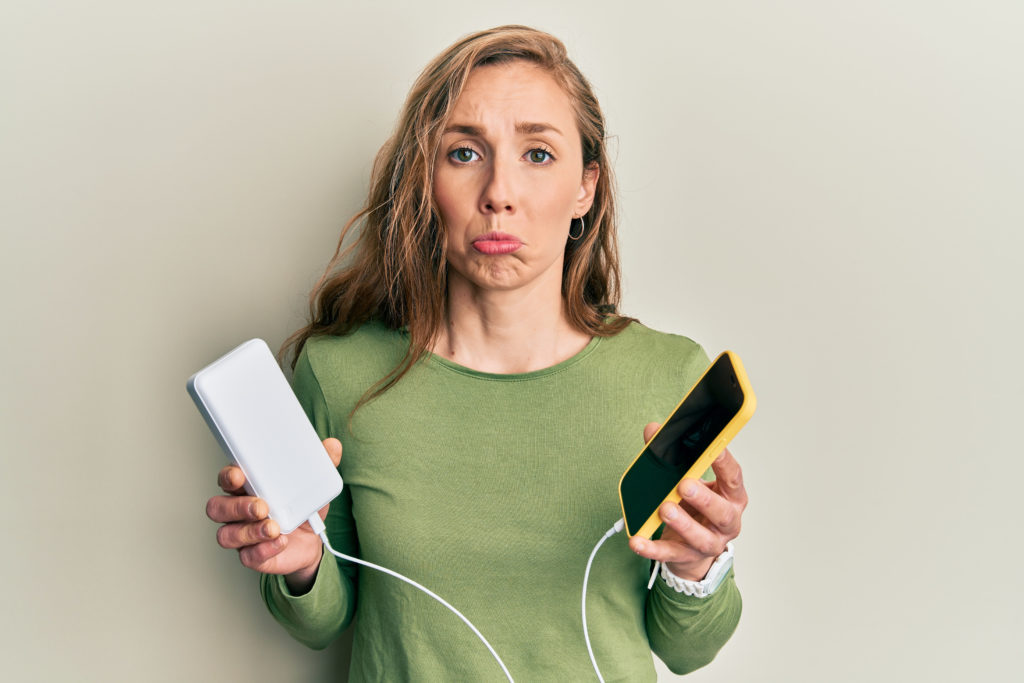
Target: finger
column 720, row 513
column 650, row 430
column 252, row 533
column 255, row 556
column 333, row 448
column 663, row 551
column 236, row 509
column 729, row 478
column 231, row 480
column 704, row 541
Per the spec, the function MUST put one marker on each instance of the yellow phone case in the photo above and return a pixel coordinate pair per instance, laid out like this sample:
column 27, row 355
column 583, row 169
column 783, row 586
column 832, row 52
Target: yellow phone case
column 703, row 462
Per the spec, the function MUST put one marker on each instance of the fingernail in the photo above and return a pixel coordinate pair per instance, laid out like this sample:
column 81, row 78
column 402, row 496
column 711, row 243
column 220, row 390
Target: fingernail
column 639, row 546
column 689, row 490
column 669, row 512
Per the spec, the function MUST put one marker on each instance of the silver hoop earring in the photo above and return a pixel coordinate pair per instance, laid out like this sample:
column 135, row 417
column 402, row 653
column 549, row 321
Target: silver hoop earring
column 582, row 228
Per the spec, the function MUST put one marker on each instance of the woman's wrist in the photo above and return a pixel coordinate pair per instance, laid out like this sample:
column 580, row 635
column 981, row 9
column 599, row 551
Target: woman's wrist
column 706, row 585
column 691, row 572
column 301, row 582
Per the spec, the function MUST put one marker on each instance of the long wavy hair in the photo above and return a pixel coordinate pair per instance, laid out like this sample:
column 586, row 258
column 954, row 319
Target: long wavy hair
column 395, row 270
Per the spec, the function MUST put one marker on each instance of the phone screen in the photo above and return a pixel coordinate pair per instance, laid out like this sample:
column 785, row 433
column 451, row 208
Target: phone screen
column 684, row 437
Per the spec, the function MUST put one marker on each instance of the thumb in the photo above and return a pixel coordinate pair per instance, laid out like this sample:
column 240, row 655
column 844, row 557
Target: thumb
column 649, row 431
column 333, row 448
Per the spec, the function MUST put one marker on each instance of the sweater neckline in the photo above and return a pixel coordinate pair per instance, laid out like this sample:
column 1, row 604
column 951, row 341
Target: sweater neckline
column 452, row 366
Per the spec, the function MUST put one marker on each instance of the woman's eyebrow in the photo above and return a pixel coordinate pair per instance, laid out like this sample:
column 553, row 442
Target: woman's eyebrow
column 463, row 129
column 530, row 128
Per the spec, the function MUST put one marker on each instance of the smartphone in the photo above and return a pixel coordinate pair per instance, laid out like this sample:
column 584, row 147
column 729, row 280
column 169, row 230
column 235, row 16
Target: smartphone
column 696, row 432
column 259, row 423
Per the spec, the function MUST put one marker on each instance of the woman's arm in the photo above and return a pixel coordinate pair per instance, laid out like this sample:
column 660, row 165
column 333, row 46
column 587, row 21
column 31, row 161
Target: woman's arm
column 686, row 632
column 318, row 613
column 316, row 603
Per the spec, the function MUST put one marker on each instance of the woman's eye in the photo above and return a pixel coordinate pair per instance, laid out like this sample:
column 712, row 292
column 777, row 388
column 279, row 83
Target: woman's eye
column 539, row 156
column 463, row 155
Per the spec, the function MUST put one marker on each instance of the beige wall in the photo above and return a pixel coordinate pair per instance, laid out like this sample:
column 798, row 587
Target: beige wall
column 831, row 189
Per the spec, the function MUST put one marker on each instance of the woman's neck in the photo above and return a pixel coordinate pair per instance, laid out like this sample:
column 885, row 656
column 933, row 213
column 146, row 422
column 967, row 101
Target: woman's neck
column 507, row 332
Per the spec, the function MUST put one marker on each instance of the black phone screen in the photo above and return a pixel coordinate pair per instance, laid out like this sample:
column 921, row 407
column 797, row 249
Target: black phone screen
column 684, row 437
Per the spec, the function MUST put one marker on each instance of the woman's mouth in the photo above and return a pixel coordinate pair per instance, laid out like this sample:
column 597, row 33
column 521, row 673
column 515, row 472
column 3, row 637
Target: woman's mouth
column 496, row 243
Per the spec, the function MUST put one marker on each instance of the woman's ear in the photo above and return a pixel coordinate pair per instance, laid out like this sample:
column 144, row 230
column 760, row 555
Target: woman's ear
column 588, row 186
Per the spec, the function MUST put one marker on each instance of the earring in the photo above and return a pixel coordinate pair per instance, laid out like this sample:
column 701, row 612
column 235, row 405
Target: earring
column 582, row 228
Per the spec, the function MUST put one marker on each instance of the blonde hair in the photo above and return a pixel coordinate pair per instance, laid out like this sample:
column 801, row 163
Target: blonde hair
column 395, row 270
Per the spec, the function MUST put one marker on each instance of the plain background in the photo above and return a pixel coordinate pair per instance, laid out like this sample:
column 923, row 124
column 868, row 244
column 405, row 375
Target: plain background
column 831, row 189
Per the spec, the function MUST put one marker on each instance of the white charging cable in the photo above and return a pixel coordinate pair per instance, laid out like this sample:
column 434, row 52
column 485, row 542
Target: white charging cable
column 616, row 528
column 320, row 530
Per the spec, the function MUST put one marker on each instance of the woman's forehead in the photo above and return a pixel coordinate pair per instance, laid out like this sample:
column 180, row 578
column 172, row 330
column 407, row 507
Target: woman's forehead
column 516, row 93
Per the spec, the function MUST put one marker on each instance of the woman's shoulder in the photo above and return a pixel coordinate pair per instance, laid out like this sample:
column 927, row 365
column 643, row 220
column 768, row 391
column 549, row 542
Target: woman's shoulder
column 372, row 349
column 642, row 351
column 369, row 336
column 637, row 336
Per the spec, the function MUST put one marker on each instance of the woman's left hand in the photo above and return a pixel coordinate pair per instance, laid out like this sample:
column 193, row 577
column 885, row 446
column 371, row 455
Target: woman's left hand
column 698, row 526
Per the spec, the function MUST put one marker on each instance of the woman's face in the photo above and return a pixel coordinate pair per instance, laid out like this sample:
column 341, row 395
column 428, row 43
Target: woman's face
column 509, row 179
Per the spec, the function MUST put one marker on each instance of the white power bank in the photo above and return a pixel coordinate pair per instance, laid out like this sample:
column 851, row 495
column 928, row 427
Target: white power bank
column 259, row 423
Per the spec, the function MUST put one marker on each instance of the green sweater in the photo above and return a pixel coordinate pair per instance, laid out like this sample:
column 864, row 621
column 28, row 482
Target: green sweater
column 491, row 490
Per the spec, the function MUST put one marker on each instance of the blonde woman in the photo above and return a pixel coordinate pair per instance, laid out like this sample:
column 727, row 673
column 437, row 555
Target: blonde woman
column 467, row 351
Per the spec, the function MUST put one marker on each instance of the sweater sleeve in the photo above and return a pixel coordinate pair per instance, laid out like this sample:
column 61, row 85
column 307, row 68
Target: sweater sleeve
column 687, row 632
column 319, row 616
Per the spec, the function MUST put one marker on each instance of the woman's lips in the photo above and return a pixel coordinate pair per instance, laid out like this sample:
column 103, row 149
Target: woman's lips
column 496, row 243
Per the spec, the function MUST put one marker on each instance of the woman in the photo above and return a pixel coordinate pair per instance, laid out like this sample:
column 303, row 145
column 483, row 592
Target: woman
column 469, row 358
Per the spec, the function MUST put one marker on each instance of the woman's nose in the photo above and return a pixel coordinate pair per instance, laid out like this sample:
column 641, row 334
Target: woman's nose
column 498, row 194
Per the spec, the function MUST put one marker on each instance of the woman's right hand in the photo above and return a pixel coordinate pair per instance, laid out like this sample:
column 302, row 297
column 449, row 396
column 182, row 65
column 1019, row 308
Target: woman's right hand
column 257, row 538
